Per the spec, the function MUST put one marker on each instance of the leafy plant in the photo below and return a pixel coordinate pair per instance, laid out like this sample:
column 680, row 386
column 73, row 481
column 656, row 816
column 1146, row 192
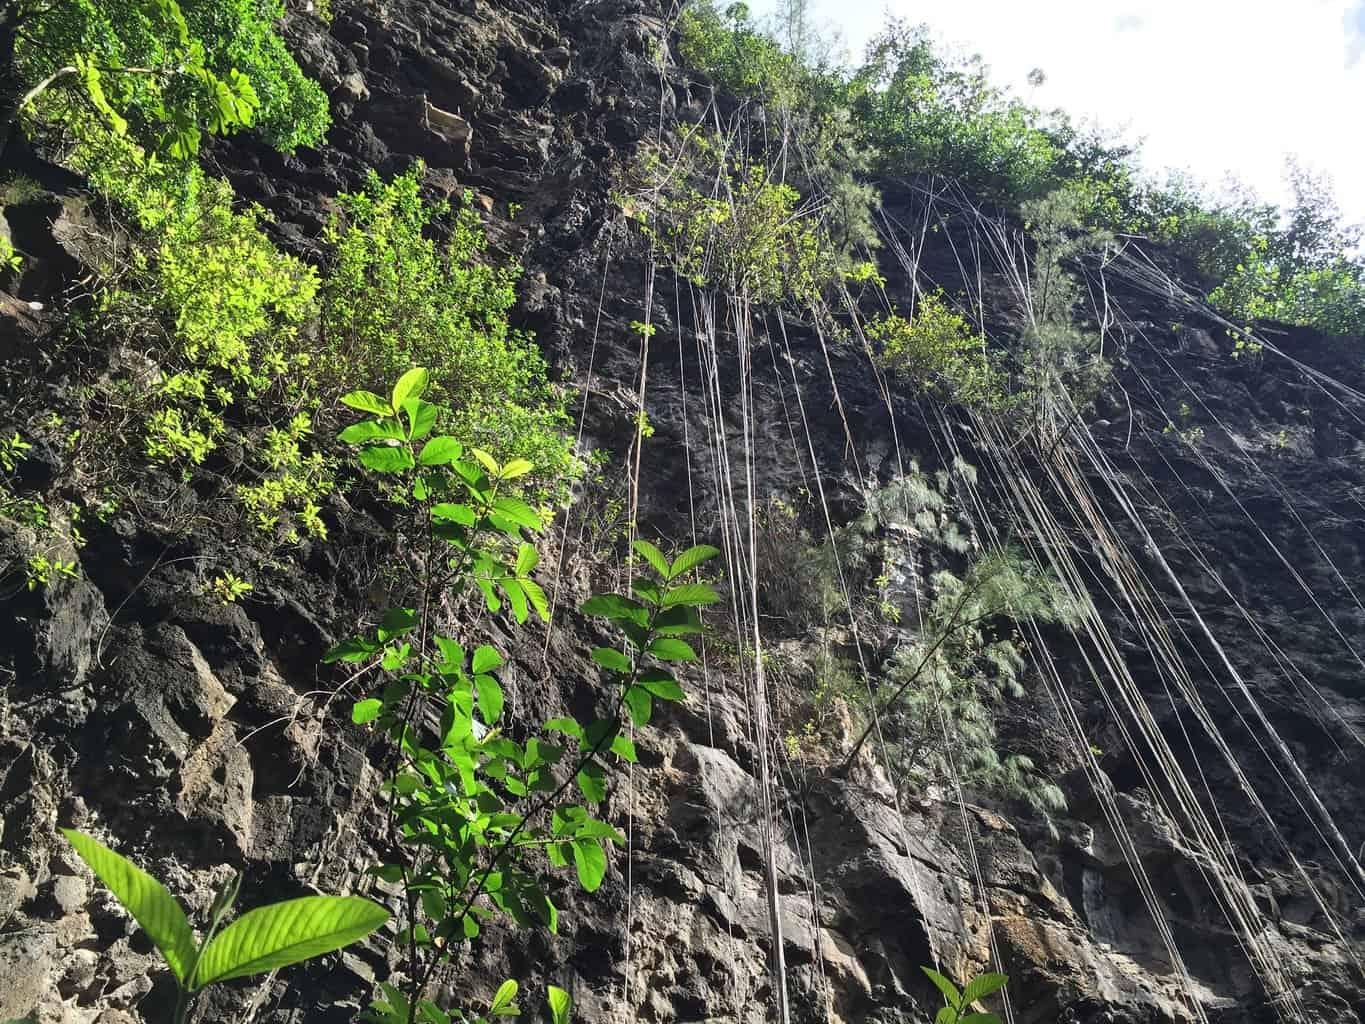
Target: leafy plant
column 959, row 1008
column 12, row 451
column 260, row 940
column 10, row 260
column 940, row 352
column 227, row 588
column 394, row 298
column 731, row 227
column 159, row 72
column 475, row 816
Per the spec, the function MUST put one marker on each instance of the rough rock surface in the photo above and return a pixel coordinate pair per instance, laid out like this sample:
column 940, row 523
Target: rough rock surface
column 195, row 733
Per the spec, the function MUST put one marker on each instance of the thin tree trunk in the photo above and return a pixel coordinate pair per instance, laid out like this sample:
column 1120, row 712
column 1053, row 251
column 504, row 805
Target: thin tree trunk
column 11, row 88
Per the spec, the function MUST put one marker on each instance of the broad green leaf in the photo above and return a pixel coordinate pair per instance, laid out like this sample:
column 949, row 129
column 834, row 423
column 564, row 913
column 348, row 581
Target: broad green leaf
column 549, row 913
column 561, row 1005
column 145, row 898
column 490, row 698
column 664, row 689
column 667, row 648
column 691, row 558
column 516, row 597
column 537, row 597
column 982, row 986
column 421, row 416
column 434, row 904
column 593, row 829
column 452, row 652
column 446, row 512
column 354, row 649
column 591, row 862
column 946, row 1015
column 370, row 430
column 286, row 933
column 516, row 468
column 440, row 451
column 489, row 463
column 490, row 598
column 366, row 710
column 945, row 986
column 473, row 475
column 611, row 659
column 653, row 556
column 568, row 726
column 519, row 512
column 979, row 1018
column 397, row 621
column 410, row 385
column 367, row 401
column 592, row 783
column 647, row 590
column 485, row 660
column 614, row 606
column 599, row 734
column 690, row 595
column 507, row 992
column 640, row 704
column 527, row 558
column 623, row 748
column 567, row 819
column 386, row 459
column 679, row 621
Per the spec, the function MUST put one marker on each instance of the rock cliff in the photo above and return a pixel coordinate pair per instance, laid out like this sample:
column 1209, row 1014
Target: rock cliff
column 202, row 734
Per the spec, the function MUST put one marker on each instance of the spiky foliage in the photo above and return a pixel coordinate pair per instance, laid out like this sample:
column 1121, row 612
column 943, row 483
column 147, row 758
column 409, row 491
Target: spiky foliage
column 943, row 689
column 956, row 656
column 1059, row 358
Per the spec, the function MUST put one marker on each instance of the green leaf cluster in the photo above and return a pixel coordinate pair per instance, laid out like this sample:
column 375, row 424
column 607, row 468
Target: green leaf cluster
column 261, row 940
column 481, row 807
column 951, row 669
column 731, row 227
column 959, row 1001
column 162, row 72
column 394, row 297
column 940, row 352
column 908, row 110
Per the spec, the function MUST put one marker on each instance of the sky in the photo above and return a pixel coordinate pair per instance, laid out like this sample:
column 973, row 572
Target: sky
column 1215, row 87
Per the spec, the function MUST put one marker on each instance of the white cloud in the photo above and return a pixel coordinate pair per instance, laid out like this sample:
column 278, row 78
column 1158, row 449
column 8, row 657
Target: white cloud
column 1215, row 86
column 1354, row 21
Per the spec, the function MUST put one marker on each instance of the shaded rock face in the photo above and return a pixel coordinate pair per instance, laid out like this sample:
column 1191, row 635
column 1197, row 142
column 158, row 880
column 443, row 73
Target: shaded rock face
column 201, row 739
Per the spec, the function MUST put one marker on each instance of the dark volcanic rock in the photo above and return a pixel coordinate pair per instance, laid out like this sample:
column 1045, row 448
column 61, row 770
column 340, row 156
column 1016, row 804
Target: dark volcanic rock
column 202, row 738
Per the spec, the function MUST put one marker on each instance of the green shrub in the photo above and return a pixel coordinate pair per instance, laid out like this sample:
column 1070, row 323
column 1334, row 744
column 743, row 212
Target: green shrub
column 222, row 315
column 394, row 297
column 1058, row 357
column 953, row 665
column 484, row 808
column 733, row 51
column 813, row 102
column 925, row 113
column 161, row 72
column 939, row 351
column 730, row 227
